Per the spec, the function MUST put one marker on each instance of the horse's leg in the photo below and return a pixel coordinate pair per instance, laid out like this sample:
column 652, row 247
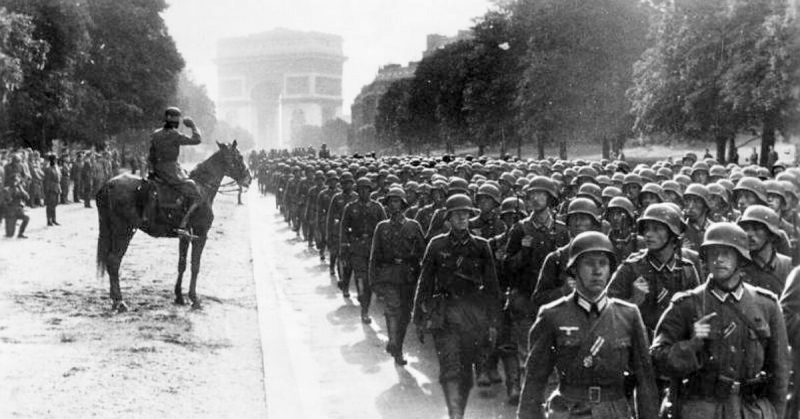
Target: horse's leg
column 197, row 251
column 119, row 246
column 183, row 249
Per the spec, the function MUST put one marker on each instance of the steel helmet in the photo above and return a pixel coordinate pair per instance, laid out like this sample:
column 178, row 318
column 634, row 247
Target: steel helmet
column 624, row 204
column 717, row 170
column 736, row 176
column 603, row 180
column 411, row 186
column 664, row 213
column 391, row 179
column 363, row 182
column 591, row 191
column 672, row 186
column 632, row 178
column 762, row 173
column 424, row 189
column 583, row 206
column 491, row 191
column 459, row 202
column 700, row 191
column 775, row 187
column 700, row 166
column 611, row 192
column 457, row 185
column 763, row 215
column 591, row 241
column 319, row 175
column 172, row 111
column 664, row 173
column 718, row 190
column 542, row 183
column 512, row 205
column 347, row 177
column 508, row 178
column 789, row 188
column 727, row 184
column 786, row 176
column 726, row 234
column 647, row 175
column 654, row 189
column 395, row 192
column 754, row 185
column 522, row 182
column 587, row 172
column 439, row 185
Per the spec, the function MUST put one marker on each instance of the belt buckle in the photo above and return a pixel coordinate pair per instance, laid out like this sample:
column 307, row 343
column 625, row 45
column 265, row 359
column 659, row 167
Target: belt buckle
column 594, row 394
column 736, row 388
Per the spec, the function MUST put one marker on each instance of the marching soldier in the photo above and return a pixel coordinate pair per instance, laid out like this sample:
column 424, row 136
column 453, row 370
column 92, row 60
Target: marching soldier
column 621, row 216
column 724, row 343
column 323, row 203
column 75, row 175
column 697, row 207
column 359, row 219
column 438, row 196
column 15, row 210
column 458, row 300
column 790, row 305
column 397, row 248
column 593, row 342
column 52, row 189
column 769, row 268
column 333, row 230
column 311, row 208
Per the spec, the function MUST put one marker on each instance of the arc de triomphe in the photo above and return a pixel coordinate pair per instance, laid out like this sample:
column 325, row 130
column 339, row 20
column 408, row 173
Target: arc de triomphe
column 280, row 79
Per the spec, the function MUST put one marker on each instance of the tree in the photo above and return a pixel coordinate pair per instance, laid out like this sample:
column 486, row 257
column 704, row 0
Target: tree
column 577, row 67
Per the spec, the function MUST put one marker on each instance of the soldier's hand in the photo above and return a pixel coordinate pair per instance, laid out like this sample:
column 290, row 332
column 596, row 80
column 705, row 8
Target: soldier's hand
column 188, row 122
column 527, row 241
column 640, row 290
column 702, row 327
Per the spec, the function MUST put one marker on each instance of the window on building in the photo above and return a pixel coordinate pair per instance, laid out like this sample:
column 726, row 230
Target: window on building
column 329, row 86
column 298, row 85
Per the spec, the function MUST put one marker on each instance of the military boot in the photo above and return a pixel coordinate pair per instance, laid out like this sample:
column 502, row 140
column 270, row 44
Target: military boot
column 454, row 398
column 511, row 366
column 395, row 345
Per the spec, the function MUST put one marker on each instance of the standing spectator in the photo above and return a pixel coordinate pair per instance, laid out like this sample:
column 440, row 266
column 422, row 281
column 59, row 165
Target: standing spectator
column 15, row 167
column 35, row 188
column 64, row 164
column 52, row 189
column 772, row 157
column 754, row 157
column 86, row 180
column 75, row 175
column 16, row 197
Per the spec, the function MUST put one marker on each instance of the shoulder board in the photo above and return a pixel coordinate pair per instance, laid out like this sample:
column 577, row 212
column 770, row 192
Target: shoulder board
column 636, row 256
column 554, row 304
column 621, row 303
column 560, row 224
column 766, row 293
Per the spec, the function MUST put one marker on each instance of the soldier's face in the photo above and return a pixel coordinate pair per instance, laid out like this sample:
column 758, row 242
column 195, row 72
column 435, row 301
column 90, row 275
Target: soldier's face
column 757, row 235
column 745, row 199
column 715, row 201
column 722, row 262
column 347, row 186
column 775, row 202
column 509, row 219
column 459, row 220
column 632, row 191
column 579, row 223
column 656, row 235
column 700, row 177
column 486, row 204
column 364, row 192
column 395, row 204
column 695, row 207
column 648, row 199
column 593, row 270
column 537, row 200
column 618, row 218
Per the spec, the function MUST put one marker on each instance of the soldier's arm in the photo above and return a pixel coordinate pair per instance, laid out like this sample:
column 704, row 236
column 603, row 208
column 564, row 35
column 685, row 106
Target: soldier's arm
column 647, row 396
column 777, row 361
column 790, row 303
column 425, row 286
column 433, row 227
column 538, row 366
column 194, row 139
column 329, row 219
column 344, row 234
column 548, row 286
column 517, row 255
column 675, row 352
column 490, row 283
column 374, row 255
column 620, row 284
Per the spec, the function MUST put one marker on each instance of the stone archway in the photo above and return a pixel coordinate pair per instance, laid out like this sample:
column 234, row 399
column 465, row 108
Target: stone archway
column 266, row 102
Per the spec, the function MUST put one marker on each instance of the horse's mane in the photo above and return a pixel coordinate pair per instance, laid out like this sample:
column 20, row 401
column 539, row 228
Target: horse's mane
column 203, row 167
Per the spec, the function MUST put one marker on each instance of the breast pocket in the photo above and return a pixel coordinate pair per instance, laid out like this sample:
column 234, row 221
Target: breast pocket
column 757, row 341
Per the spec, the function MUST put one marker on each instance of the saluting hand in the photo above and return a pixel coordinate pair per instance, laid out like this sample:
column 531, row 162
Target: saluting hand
column 189, row 123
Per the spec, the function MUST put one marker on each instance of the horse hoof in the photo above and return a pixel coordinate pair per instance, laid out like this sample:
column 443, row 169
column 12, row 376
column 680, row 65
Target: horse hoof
column 197, row 306
column 119, row 307
column 179, row 301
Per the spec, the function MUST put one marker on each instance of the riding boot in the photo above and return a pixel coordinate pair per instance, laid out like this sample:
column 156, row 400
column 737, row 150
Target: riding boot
column 182, row 228
column 454, row 398
column 22, row 227
column 394, row 328
column 465, row 385
column 511, row 366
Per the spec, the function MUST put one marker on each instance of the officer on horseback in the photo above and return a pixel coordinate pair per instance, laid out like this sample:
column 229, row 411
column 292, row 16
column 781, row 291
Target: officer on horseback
column 163, row 158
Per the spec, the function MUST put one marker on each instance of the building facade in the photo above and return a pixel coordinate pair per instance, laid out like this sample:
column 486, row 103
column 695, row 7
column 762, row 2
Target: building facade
column 274, row 82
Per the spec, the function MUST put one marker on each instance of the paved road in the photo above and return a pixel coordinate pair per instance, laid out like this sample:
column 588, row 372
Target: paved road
column 320, row 361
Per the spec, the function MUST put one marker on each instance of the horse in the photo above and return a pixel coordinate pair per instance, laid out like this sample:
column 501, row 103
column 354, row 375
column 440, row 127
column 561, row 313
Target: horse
column 120, row 203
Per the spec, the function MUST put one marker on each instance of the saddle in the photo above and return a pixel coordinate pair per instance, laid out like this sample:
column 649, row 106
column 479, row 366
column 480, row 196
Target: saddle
column 161, row 207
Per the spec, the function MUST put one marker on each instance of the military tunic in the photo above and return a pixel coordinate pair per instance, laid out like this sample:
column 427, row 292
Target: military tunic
column 771, row 275
column 693, row 235
column 397, row 248
column 790, row 305
column 333, row 226
column 593, row 348
column 741, row 370
column 323, row 204
column 425, row 214
column 359, row 220
column 165, row 146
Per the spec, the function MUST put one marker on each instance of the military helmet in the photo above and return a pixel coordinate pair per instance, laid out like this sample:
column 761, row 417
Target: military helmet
column 590, row 241
column 395, row 192
column 172, row 111
column 790, row 188
column 512, row 205
column 591, row 191
column 611, row 192
column 588, row 172
column 583, row 206
column 717, row 170
column 424, row 188
column 700, row 166
column 672, row 186
column 364, row 182
column 508, row 178
column 648, row 175
column 319, row 175
column 411, row 186
column 718, row 190
column 754, row 185
column 664, row 173
column 491, row 191
column 664, row 213
column 736, row 176
column 459, row 202
column 763, row 215
column 726, row 234
column 654, row 189
column 762, row 173
column 542, row 183
column 332, row 175
column 439, row 185
column 632, row 178
column 457, row 185
column 700, row 191
column 347, row 177
column 624, row 204
column 727, row 184
column 776, row 188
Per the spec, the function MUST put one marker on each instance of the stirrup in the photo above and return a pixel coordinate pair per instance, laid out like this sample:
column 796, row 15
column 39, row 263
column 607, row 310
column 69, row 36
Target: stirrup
column 182, row 232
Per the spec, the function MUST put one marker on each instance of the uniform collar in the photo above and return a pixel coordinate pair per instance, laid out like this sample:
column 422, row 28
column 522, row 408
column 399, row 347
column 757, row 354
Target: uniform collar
column 701, row 227
column 400, row 219
column 547, row 225
column 723, row 295
column 586, row 304
column 658, row 266
column 456, row 242
column 770, row 265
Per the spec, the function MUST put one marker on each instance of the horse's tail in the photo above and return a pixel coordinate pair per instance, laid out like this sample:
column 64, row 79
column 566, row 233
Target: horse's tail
column 104, row 238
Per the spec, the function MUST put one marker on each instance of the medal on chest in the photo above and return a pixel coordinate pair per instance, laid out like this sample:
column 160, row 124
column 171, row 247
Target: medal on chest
column 588, row 361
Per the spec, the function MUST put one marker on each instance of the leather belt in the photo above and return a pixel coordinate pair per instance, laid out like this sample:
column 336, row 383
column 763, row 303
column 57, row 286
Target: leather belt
column 593, row 394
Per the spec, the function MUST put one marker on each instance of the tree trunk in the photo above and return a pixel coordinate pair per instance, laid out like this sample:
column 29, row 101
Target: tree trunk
column 562, row 149
column 606, row 148
column 481, row 149
column 540, row 140
column 733, row 153
column 767, row 138
column 720, row 139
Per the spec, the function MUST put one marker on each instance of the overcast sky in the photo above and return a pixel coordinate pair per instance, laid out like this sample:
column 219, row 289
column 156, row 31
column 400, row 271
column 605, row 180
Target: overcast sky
column 375, row 32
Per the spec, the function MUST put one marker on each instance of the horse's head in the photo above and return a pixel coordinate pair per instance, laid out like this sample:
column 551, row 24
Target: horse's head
column 234, row 164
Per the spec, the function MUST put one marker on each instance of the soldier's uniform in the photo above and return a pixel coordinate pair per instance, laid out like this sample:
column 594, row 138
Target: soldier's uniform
column 52, row 192
column 65, row 180
column 86, row 182
column 15, row 210
column 333, row 229
column 438, row 225
column 165, row 147
column 425, row 215
column 693, row 235
column 358, row 226
column 75, row 175
column 790, row 305
column 593, row 347
column 311, row 215
column 625, row 244
column 742, row 370
column 323, row 204
column 665, row 280
column 771, row 275
column 458, row 289
column 397, row 248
